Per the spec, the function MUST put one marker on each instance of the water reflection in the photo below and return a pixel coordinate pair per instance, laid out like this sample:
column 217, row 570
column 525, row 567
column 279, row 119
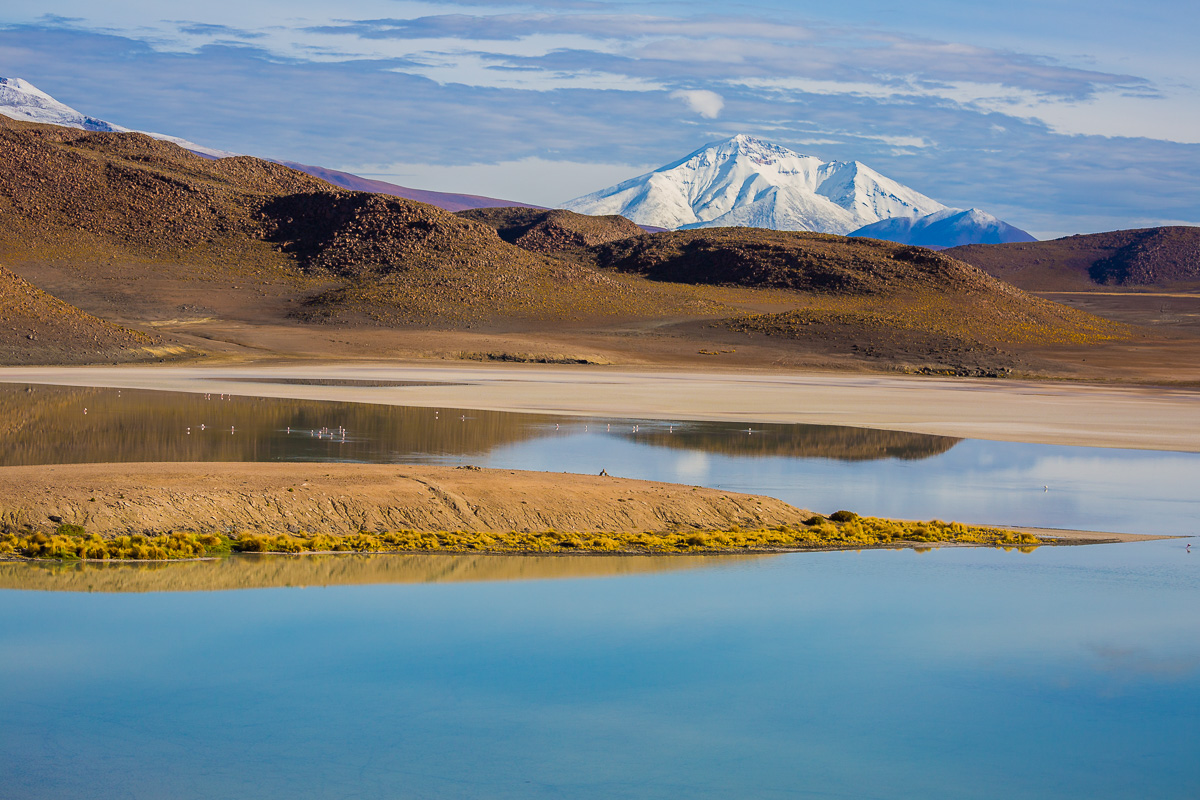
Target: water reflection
column 1072, row 672
column 794, row 441
column 881, row 473
column 64, row 425
column 258, row 572
column 67, row 425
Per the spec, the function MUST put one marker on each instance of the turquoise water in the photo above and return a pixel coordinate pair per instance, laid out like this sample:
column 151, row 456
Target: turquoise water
column 957, row 673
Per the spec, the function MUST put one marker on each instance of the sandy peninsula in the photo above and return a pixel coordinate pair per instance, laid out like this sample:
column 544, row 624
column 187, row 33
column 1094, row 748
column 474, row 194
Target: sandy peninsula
column 186, row 510
column 343, row 499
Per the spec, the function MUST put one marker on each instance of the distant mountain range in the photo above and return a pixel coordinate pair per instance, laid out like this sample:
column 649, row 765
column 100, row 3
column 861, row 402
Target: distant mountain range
column 950, row 227
column 119, row 224
column 444, row 200
column 748, row 182
column 20, row 99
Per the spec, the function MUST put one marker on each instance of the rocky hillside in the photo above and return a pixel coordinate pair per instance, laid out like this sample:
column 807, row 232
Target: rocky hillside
column 68, row 186
column 553, row 231
column 1142, row 258
column 94, row 196
column 847, row 289
column 806, row 262
column 124, row 225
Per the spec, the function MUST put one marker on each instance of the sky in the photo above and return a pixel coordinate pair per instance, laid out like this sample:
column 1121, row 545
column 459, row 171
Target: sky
column 1059, row 116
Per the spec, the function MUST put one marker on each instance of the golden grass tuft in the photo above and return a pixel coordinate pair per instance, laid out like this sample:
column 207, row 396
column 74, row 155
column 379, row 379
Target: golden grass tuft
column 72, row 542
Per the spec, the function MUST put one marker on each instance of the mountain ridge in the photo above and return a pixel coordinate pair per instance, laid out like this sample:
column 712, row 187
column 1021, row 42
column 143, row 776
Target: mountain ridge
column 950, row 227
column 1122, row 260
column 748, row 182
column 448, row 201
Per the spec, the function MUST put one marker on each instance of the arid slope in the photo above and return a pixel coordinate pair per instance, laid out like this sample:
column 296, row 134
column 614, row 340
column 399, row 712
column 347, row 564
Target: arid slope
column 1129, row 260
column 553, row 231
column 36, row 328
column 92, row 200
column 890, row 300
column 259, row 257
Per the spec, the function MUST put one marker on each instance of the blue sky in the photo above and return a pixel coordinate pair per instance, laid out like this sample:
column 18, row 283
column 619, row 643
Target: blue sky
column 1060, row 116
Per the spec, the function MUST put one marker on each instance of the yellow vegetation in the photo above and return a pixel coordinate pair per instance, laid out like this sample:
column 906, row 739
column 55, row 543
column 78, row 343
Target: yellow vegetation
column 72, row 542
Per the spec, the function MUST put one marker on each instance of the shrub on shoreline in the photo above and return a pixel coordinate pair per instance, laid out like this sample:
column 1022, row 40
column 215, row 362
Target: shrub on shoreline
column 72, row 542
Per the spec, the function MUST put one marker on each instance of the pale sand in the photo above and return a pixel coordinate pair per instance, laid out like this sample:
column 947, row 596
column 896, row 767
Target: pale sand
column 1088, row 537
column 1051, row 413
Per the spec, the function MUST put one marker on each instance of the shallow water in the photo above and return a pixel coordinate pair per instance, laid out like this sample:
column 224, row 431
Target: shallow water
column 883, row 473
column 958, row 673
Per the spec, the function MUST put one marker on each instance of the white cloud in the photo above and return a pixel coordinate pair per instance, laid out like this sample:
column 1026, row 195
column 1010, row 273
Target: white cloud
column 705, row 103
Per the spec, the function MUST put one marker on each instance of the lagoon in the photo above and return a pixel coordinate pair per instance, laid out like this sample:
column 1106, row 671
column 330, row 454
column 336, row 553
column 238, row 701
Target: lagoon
column 822, row 467
column 959, row 672
column 948, row 673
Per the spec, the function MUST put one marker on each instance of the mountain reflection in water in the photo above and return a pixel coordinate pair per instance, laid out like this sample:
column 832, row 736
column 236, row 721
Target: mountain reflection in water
column 798, row 441
column 67, row 425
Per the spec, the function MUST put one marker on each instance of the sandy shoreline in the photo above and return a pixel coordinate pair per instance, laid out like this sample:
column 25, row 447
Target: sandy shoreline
column 445, row 508
column 1047, row 413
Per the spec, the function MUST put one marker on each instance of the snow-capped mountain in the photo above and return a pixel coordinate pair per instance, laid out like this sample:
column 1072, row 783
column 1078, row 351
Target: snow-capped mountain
column 20, row 99
column 745, row 181
column 948, row 228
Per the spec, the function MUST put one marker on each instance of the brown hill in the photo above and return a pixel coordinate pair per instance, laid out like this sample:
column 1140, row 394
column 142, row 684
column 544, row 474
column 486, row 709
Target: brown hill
column 882, row 300
column 1165, row 257
column 94, row 198
column 806, row 262
column 36, row 328
column 553, row 231
column 243, row 251
column 62, row 186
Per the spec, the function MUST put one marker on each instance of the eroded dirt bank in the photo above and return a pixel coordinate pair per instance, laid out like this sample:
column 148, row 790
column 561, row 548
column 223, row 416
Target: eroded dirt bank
column 115, row 499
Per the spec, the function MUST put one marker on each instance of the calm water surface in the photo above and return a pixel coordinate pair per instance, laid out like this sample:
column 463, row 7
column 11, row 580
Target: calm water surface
column 958, row 673
column 884, row 473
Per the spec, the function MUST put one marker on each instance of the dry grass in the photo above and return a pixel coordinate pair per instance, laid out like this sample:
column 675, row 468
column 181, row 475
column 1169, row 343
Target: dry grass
column 851, row 531
column 960, row 318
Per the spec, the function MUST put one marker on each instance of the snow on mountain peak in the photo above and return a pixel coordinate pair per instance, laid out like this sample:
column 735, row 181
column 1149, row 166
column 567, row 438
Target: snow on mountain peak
column 950, row 227
column 746, row 181
column 21, row 100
